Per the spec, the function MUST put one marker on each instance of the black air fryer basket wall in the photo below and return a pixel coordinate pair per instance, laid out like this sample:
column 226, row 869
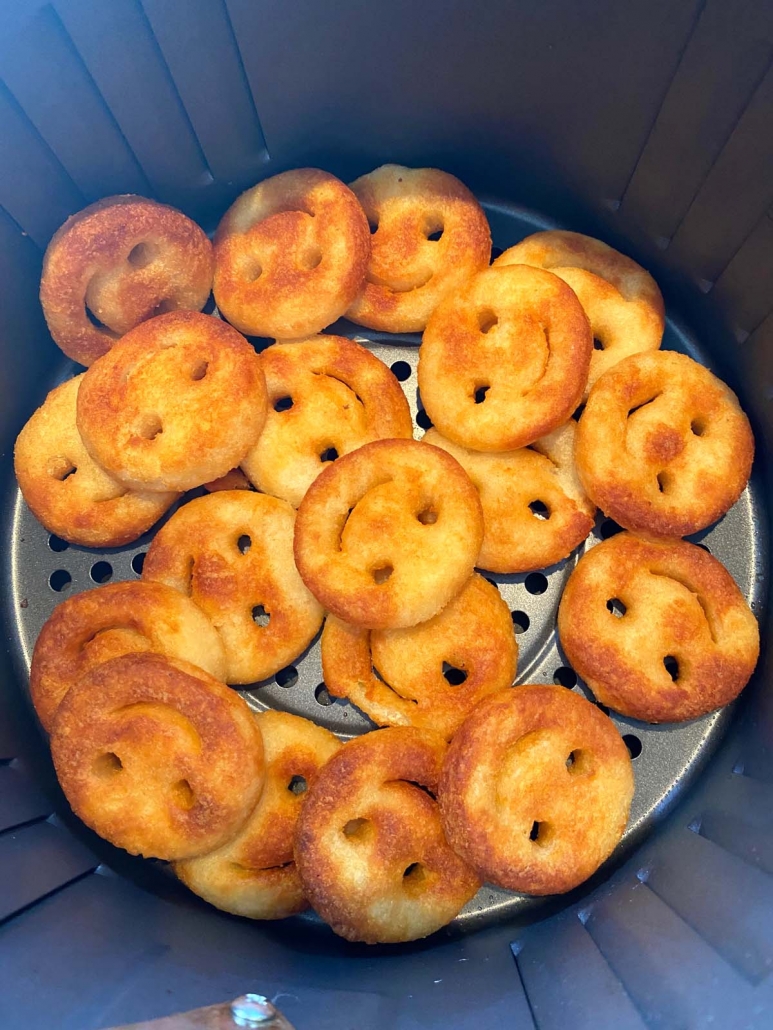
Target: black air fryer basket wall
column 649, row 124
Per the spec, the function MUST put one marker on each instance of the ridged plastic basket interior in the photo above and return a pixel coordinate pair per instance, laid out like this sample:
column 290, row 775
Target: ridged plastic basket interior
column 648, row 124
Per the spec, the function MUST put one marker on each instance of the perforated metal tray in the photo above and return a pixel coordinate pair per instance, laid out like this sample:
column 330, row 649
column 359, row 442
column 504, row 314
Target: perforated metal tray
column 43, row 570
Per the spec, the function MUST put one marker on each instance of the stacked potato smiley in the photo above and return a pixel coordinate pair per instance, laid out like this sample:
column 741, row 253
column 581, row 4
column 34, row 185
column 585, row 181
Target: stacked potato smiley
column 323, row 507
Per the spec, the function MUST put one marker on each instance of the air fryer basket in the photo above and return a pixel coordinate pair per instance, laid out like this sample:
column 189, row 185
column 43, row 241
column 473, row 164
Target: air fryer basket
column 648, row 124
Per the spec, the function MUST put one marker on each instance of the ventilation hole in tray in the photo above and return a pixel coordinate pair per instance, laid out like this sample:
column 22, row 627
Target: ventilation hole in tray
column 602, row 708
column 401, row 370
column 536, row 583
column 496, row 252
column 298, row 785
column 329, row 454
column 453, row 675
column 59, row 580
column 565, row 677
column 244, row 543
column 323, row 696
column 521, row 621
column 609, row 528
column 57, row 544
column 672, row 667
column 539, row 510
column 283, row 404
column 138, row 562
column 101, row 571
column 287, row 677
column 633, row 744
column 423, row 421
column 616, row 607
column 260, row 616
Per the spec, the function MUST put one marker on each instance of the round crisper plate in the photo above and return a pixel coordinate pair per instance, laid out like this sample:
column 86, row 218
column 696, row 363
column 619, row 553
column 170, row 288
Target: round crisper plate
column 44, row 570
